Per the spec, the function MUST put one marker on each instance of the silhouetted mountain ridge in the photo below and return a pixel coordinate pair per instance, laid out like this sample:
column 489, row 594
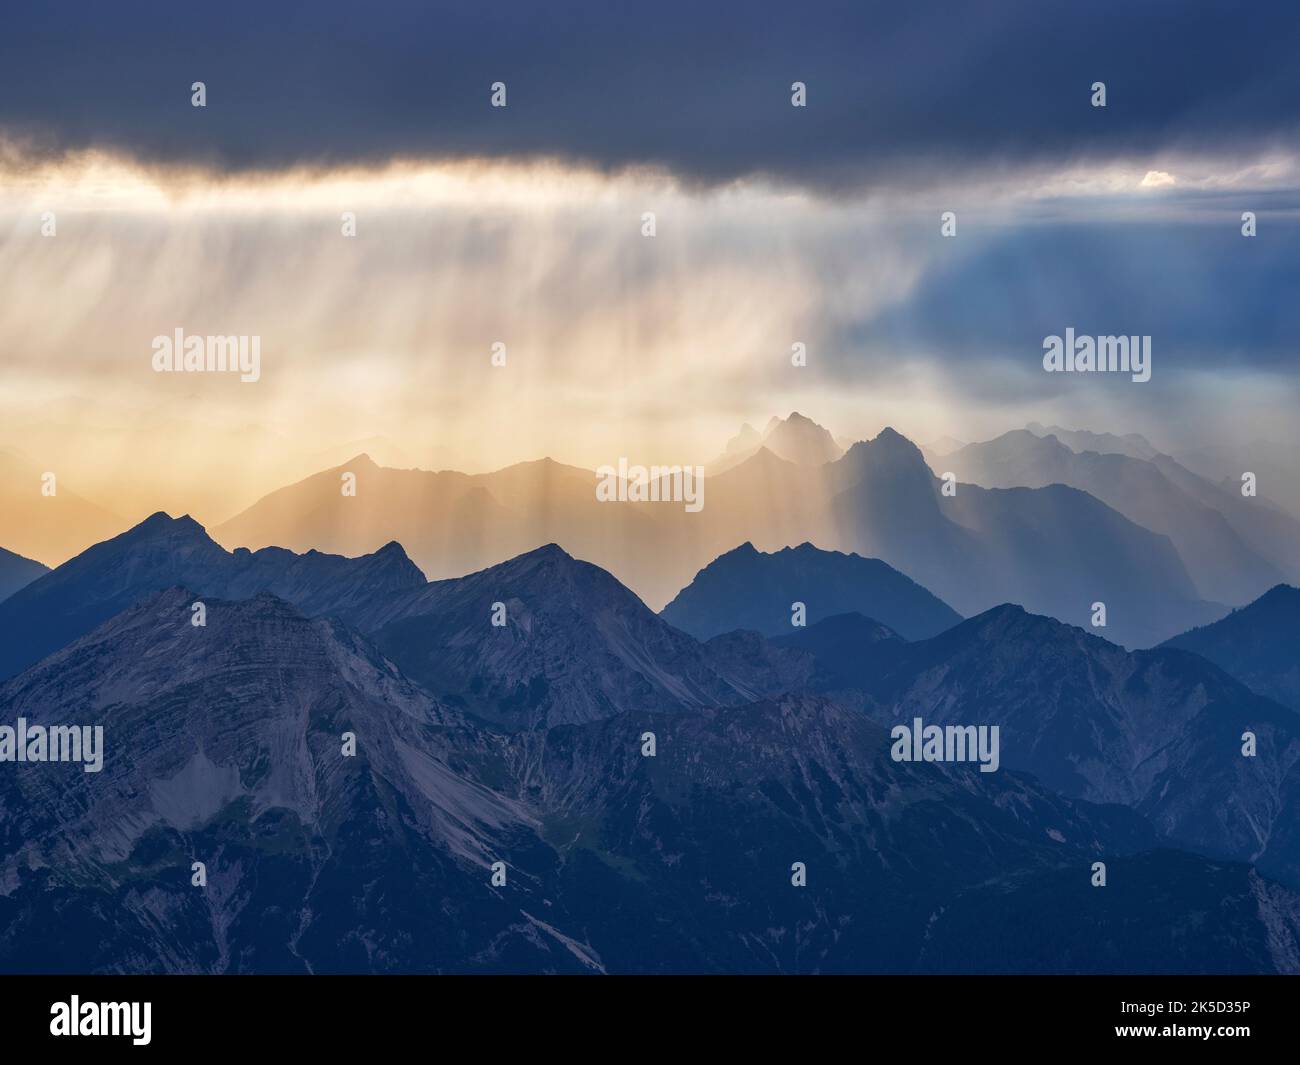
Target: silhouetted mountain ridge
column 162, row 552
column 1258, row 644
column 748, row 589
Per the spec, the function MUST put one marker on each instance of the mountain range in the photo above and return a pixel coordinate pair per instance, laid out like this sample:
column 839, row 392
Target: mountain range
column 1163, row 547
column 161, row 552
column 1159, row 731
column 973, row 548
column 523, row 743
column 620, row 712
column 225, row 747
column 1234, row 547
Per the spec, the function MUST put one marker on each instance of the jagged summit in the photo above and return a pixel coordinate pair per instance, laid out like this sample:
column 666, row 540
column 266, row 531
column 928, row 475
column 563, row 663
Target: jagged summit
column 161, row 521
column 545, row 638
column 797, row 439
column 162, row 552
column 545, row 552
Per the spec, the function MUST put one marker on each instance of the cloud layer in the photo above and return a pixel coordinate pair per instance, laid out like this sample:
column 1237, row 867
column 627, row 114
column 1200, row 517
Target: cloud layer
column 897, row 93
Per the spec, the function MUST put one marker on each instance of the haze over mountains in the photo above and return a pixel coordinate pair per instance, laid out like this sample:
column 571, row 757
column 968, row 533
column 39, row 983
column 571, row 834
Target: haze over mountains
column 1235, row 547
column 1164, row 548
column 49, row 528
column 501, row 714
column 796, row 439
column 1031, row 522
column 356, row 658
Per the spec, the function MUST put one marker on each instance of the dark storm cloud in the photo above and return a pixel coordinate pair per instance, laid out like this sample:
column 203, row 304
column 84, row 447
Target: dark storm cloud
column 896, row 91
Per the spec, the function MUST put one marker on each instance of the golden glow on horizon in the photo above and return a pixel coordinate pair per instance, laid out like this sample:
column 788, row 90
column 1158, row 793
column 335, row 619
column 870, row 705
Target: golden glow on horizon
column 97, row 179
column 617, row 347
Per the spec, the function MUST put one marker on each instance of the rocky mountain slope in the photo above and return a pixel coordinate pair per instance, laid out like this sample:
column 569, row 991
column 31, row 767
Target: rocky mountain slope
column 1258, row 644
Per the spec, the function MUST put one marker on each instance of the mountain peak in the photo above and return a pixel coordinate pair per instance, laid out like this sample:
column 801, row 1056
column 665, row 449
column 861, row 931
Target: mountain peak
column 746, row 440
column 551, row 554
column 890, row 435
column 801, row 440
column 749, row 589
column 796, row 439
column 551, row 550
column 1008, row 621
column 575, row 645
column 1257, row 644
column 160, row 523
column 394, row 560
column 1280, row 593
column 1080, row 440
column 162, row 552
column 392, row 549
column 889, row 446
column 1004, row 610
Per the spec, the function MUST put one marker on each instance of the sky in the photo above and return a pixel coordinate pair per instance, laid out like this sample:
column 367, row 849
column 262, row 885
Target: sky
column 523, row 225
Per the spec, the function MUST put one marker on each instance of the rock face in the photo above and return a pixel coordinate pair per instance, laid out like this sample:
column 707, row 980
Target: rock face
column 1258, row 644
column 223, row 745
column 695, row 846
column 573, row 645
column 1151, row 902
column 162, row 552
column 1161, row 731
column 747, row 589
column 848, row 650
